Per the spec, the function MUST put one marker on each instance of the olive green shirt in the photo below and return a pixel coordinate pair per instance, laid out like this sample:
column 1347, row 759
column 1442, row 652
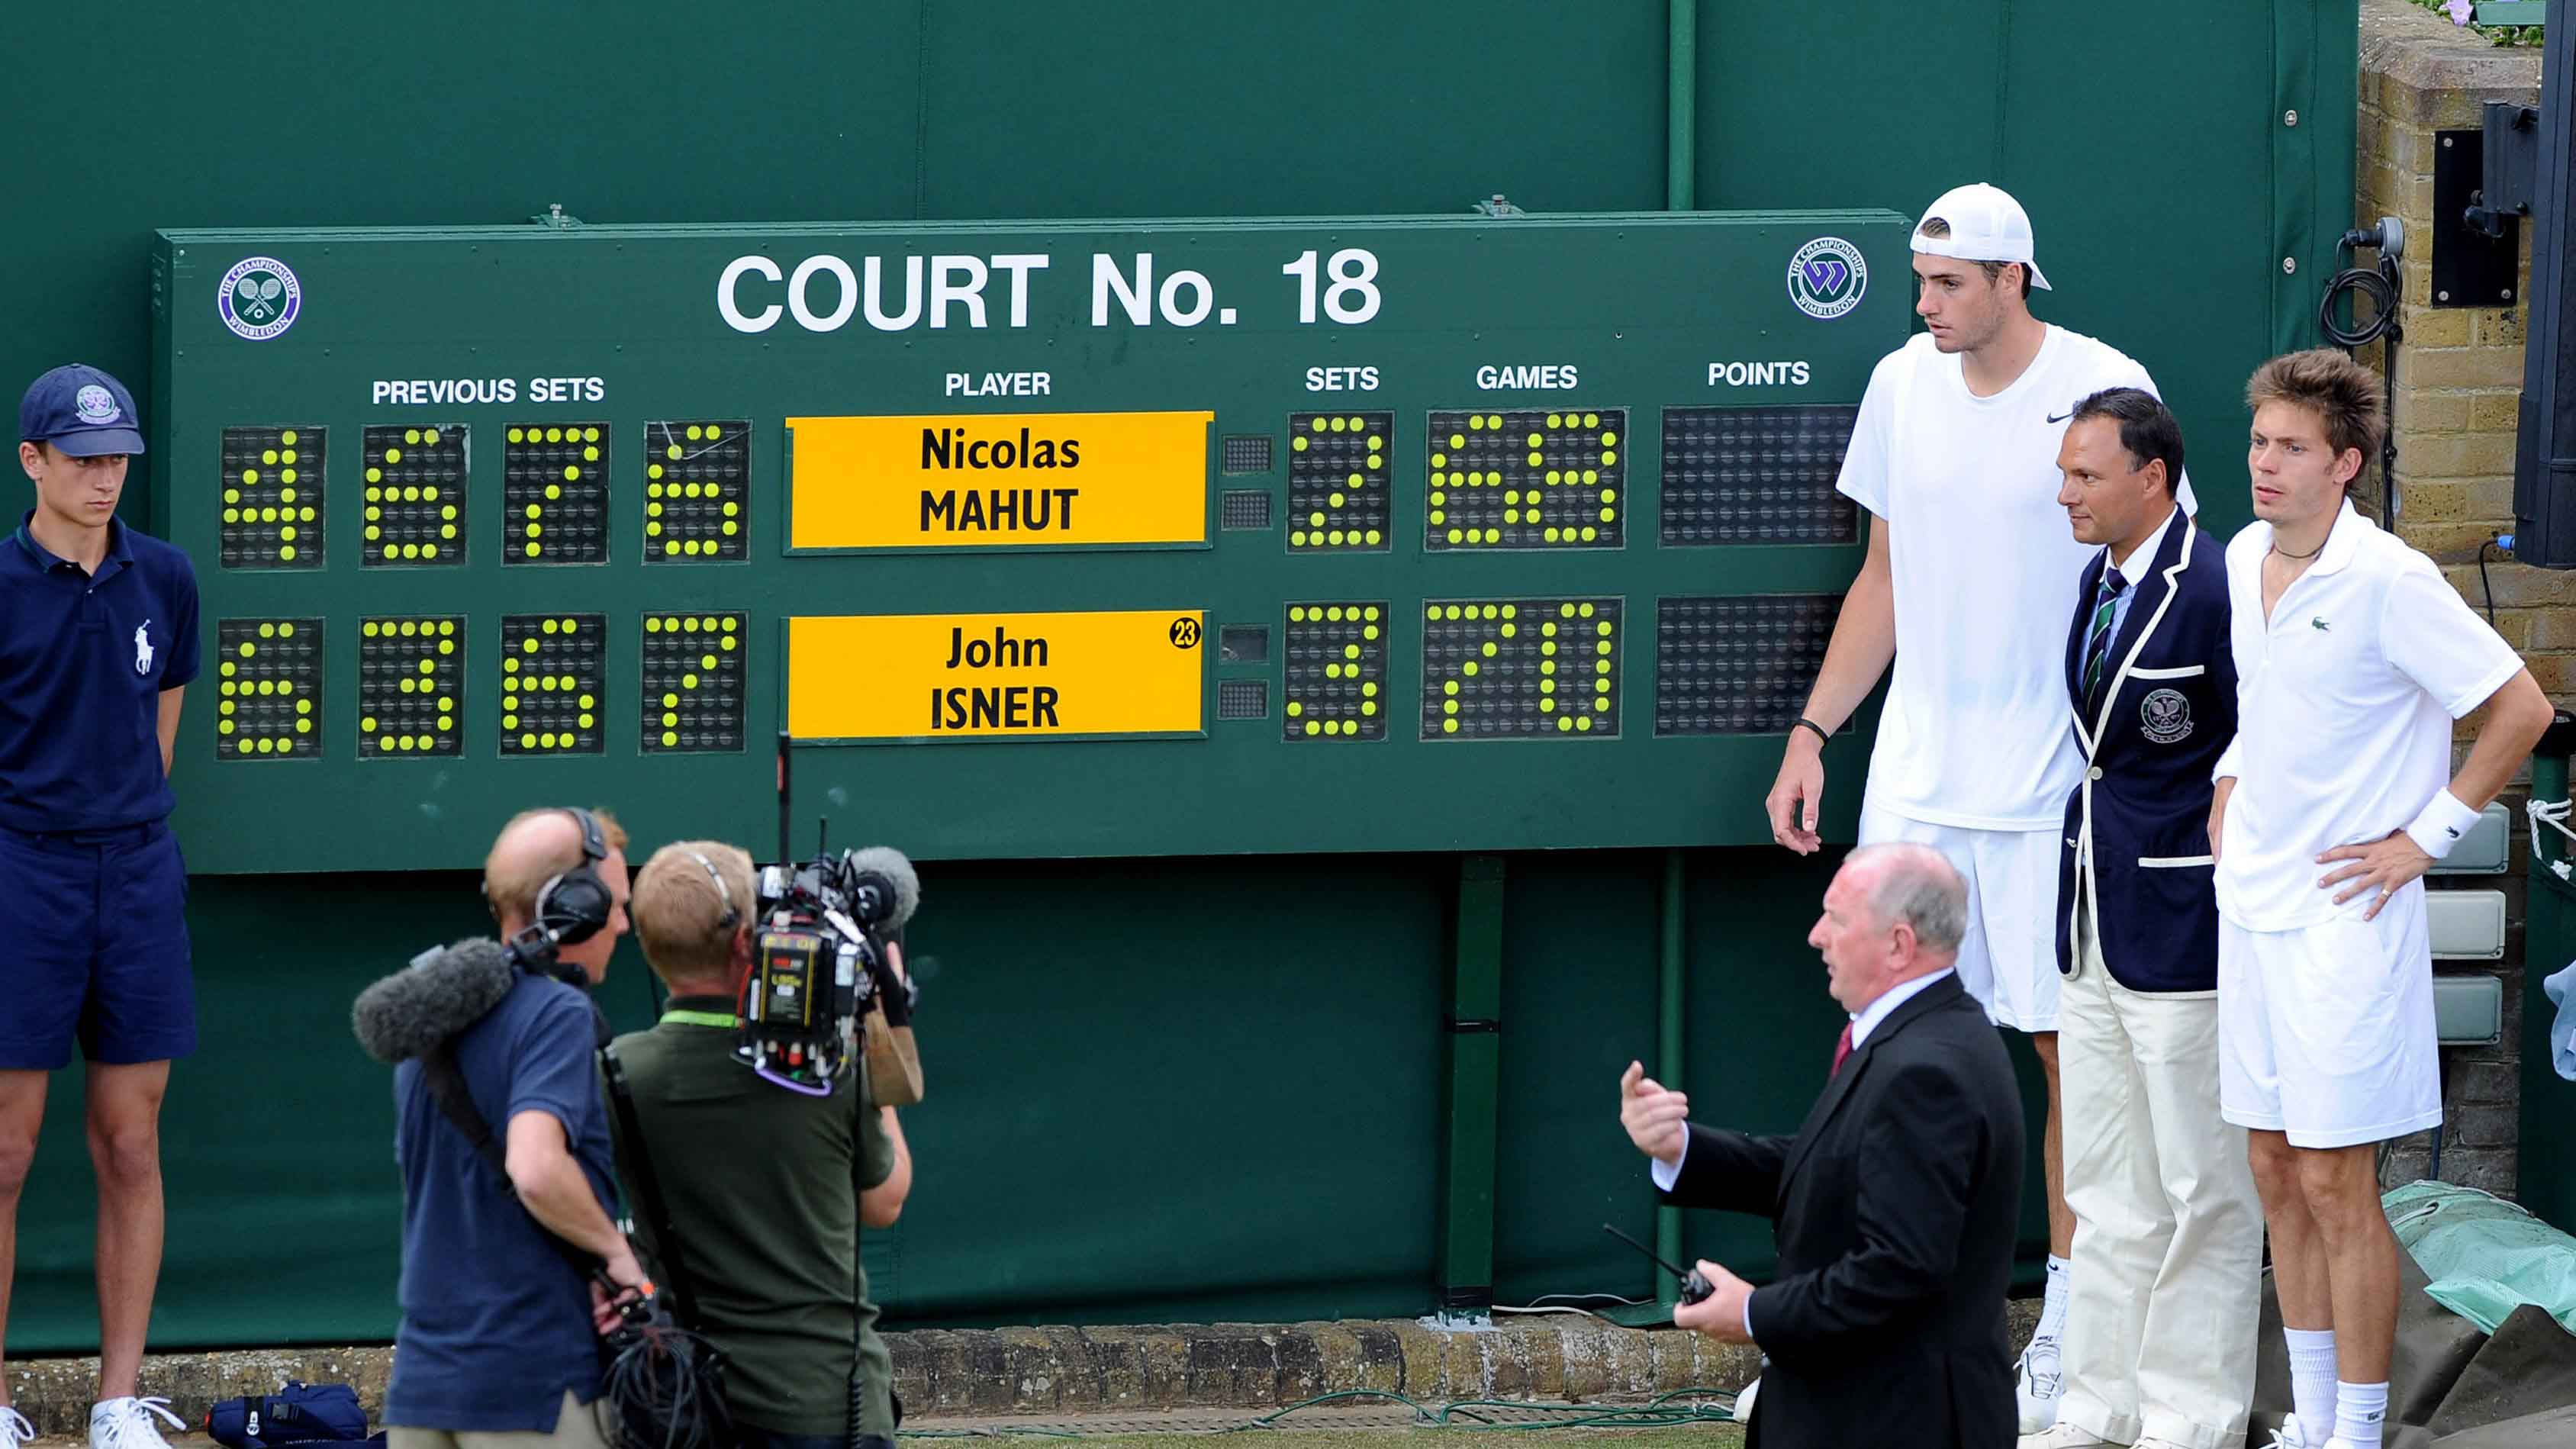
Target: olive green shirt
column 762, row 1186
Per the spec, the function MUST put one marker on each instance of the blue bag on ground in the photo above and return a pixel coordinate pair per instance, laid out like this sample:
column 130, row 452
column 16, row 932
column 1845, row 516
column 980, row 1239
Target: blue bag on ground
column 296, row 1414
column 2484, row 1254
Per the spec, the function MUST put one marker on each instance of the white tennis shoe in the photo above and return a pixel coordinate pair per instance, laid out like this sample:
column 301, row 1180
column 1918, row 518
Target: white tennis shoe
column 127, row 1424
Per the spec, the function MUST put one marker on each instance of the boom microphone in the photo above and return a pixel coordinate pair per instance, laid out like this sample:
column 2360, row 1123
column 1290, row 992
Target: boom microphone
column 884, row 888
column 441, row 993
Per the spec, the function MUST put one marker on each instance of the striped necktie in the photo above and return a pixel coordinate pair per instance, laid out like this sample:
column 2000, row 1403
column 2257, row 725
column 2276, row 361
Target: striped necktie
column 2097, row 641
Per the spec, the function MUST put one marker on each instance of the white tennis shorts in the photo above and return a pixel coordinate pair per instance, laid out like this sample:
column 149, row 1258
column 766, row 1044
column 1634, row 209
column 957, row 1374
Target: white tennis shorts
column 2325, row 1032
column 2009, row 959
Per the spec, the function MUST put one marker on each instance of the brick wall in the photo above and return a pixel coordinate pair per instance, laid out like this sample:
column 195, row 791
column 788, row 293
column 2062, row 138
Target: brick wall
column 2459, row 383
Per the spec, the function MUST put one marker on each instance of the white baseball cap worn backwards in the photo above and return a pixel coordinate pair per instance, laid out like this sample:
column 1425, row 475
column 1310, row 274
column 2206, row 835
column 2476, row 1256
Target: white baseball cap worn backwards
column 1986, row 225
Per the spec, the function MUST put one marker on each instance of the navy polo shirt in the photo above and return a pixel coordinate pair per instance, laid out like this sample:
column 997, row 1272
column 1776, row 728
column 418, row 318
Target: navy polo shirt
column 83, row 661
column 495, row 1324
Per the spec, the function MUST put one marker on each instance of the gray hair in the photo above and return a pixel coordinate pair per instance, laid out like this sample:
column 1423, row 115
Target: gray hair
column 1920, row 887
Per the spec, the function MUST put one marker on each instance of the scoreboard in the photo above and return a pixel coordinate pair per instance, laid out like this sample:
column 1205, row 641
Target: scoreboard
column 1040, row 539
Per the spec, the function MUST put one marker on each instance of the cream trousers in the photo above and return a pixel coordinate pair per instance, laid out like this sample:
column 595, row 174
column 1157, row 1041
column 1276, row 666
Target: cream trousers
column 2167, row 1279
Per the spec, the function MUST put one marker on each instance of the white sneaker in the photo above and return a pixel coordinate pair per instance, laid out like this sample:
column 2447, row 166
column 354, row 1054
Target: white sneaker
column 14, row 1428
column 127, row 1424
column 2040, row 1384
column 2290, row 1435
column 1742, row 1412
column 2063, row 1436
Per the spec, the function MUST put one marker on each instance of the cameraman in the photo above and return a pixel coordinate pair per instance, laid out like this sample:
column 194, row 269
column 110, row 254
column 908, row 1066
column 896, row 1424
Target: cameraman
column 766, row 1189
column 499, row 1332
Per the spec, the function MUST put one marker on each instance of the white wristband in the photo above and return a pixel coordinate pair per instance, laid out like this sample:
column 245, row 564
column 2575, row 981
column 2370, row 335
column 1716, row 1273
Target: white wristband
column 2440, row 824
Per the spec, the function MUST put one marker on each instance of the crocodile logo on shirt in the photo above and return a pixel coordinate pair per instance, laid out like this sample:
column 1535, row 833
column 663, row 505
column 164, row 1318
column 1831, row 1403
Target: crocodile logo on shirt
column 2318, row 623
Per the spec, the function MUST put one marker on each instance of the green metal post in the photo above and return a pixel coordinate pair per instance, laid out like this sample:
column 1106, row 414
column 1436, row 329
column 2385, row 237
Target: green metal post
column 1475, row 1093
column 1681, row 103
column 1672, row 975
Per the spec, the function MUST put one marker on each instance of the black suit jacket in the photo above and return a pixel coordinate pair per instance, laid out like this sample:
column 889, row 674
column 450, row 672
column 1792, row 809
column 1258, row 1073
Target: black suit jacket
column 1896, row 1208
column 2137, row 824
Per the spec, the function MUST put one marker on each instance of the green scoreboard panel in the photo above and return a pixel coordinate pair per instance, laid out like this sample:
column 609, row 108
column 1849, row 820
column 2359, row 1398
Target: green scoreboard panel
column 1100, row 539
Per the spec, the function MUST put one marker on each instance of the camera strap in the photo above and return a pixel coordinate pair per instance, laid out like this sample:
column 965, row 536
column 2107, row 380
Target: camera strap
column 447, row 1088
column 683, row 1289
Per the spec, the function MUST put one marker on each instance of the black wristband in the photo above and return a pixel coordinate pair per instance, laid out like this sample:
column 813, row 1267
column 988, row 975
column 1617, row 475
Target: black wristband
column 1803, row 722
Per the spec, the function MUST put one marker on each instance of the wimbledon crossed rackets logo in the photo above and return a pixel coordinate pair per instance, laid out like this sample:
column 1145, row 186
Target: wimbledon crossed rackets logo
column 260, row 298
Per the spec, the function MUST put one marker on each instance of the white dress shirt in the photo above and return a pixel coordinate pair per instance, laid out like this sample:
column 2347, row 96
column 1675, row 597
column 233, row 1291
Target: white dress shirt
column 2129, row 568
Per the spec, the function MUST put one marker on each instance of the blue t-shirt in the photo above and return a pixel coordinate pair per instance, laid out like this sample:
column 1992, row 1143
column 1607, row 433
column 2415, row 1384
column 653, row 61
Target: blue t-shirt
column 495, row 1324
column 83, row 661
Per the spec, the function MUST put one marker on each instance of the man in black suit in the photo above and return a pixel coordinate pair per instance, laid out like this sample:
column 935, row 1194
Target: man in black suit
column 1896, row 1203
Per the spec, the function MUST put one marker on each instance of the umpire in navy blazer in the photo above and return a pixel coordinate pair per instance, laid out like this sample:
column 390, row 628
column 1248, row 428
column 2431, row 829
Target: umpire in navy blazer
column 2159, row 1343
column 2154, row 690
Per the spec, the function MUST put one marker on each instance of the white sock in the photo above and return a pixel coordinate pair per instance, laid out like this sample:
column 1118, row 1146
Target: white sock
column 2360, row 1411
column 2312, row 1378
column 2052, row 1308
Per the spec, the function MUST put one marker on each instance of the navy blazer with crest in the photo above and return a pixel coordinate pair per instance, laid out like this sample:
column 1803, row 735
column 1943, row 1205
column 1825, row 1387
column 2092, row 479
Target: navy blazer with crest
column 1896, row 1207
column 2137, row 824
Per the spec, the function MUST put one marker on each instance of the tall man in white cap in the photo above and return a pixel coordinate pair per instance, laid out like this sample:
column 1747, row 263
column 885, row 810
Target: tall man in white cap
column 1969, row 581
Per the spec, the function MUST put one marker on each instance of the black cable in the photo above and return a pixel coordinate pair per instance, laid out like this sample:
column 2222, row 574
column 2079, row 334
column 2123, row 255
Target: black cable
column 2485, row 582
column 2379, row 283
column 663, row 1389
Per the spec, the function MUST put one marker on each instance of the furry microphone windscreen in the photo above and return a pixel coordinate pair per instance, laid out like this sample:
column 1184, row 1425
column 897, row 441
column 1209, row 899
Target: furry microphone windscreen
column 888, row 862
column 440, row 994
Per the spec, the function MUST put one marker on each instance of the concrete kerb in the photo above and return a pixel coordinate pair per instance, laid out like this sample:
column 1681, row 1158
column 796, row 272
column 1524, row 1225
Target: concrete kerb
column 1056, row 1371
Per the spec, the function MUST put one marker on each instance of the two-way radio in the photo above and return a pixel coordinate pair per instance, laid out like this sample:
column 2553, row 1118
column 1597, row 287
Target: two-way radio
column 1695, row 1285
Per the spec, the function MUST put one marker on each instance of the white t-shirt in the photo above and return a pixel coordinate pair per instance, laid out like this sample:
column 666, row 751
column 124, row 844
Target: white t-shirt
column 1978, row 733
column 2344, row 705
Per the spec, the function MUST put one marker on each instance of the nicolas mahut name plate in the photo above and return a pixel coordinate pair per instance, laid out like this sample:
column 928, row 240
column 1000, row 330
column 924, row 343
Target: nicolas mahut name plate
column 999, row 480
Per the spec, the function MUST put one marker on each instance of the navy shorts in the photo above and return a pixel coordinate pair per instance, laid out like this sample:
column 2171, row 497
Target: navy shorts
column 94, row 948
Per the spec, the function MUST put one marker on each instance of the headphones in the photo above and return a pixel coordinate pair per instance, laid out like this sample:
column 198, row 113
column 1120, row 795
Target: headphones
column 575, row 905
column 732, row 917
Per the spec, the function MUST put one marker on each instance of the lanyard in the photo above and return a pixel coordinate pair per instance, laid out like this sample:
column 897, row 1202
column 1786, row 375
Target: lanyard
column 725, row 1019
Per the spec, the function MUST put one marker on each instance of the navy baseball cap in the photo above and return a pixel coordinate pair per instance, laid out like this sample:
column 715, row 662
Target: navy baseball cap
column 81, row 411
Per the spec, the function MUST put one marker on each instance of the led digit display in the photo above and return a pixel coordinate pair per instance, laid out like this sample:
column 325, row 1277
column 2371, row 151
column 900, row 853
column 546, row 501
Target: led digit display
column 1756, row 475
column 1336, row 659
column 1338, row 494
column 268, row 689
column 416, row 494
column 1529, row 478
column 554, row 494
column 1738, row 666
column 1520, row 668
column 272, row 489
column 697, row 491
column 554, row 668
column 411, row 686
column 693, row 682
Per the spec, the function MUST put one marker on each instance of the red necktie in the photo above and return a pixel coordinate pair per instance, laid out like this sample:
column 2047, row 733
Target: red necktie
column 1842, row 1049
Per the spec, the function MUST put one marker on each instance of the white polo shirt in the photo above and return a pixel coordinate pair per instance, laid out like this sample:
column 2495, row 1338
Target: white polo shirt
column 1977, row 733
column 2345, row 701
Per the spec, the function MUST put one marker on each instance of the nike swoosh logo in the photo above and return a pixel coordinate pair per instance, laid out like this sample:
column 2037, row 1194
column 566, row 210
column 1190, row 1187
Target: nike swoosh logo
column 2061, row 417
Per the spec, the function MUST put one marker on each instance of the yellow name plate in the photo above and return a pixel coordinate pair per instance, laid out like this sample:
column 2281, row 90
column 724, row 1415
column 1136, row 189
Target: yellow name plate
column 971, row 676
column 999, row 480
